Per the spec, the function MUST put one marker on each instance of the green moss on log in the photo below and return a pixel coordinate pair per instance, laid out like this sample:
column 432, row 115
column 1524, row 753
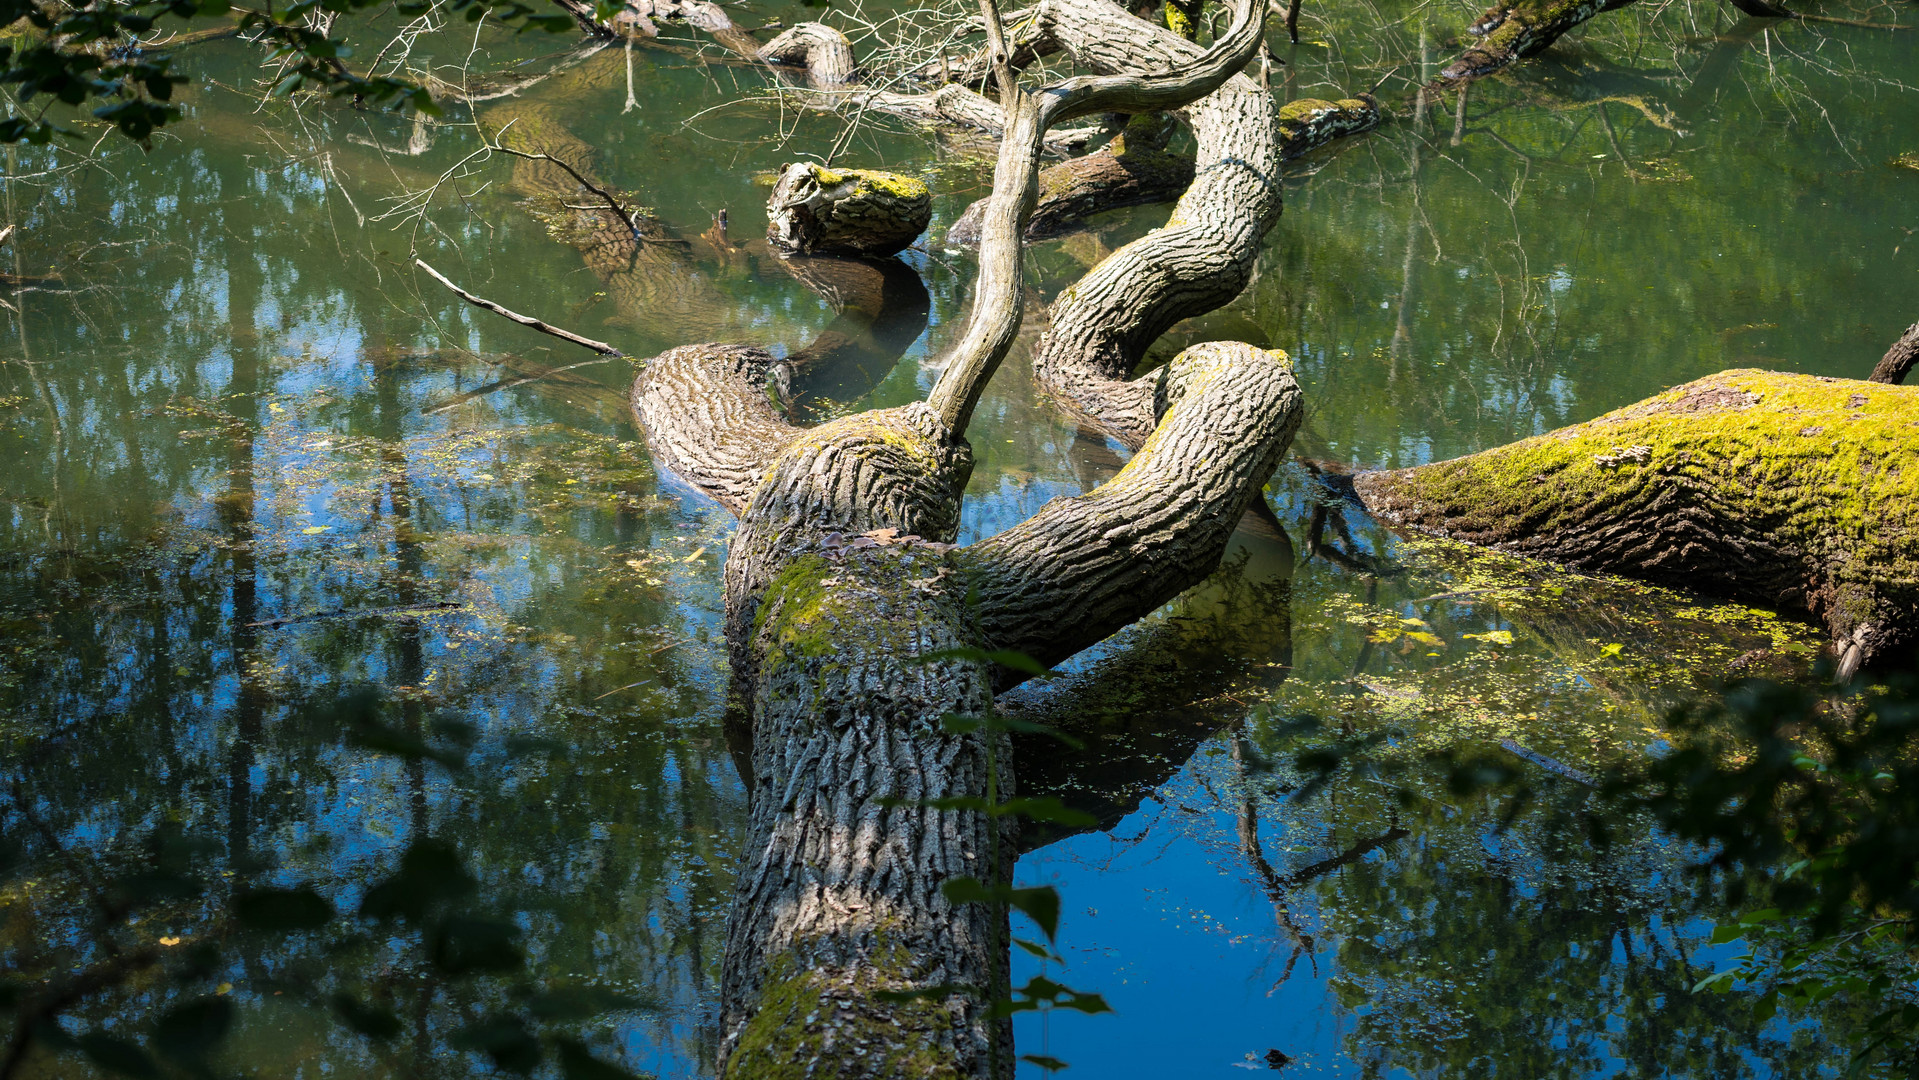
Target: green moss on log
column 1309, row 123
column 1793, row 491
column 1510, row 32
column 822, row 1024
column 815, row 210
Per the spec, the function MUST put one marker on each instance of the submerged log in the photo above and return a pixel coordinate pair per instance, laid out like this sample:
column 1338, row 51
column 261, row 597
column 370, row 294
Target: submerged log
column 1794, row 492
column 818, row 211
column 1511, row 32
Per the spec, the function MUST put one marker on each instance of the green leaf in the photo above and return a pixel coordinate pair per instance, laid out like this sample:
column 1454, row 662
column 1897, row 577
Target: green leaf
column 1040, row 904
column 1050, row 1064
column 461, row 945
column 1036, row 949
column 503, row 1039
column 939, row 992
column 1048, row 808
column 1718, row 982
column 431, row 875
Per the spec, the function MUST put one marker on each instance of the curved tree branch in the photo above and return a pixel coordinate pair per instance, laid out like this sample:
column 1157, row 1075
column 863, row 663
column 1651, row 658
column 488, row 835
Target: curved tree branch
column 998, row 304
column 1102, row 326
column 1084, row 567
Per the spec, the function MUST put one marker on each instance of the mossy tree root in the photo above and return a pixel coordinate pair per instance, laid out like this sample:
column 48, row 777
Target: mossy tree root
column 1793, row 492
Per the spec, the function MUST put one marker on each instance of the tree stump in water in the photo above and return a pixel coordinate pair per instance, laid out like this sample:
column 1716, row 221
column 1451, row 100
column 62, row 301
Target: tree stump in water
column 819, row 211
column 1794, row 492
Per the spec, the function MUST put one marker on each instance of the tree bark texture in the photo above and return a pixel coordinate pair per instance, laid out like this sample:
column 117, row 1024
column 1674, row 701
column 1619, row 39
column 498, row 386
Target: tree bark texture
column 839, row 896
column 819, row 211
column 1893, row 367
column 1512, row 32
column 1792, row 492
column 841, row 581
column 1202, row 258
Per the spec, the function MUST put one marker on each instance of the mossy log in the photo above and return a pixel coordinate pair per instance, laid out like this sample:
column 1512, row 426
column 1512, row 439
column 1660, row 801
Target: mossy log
column 818, row 211
column 1512, row 32
column 1793, row 492
column 1136, row 169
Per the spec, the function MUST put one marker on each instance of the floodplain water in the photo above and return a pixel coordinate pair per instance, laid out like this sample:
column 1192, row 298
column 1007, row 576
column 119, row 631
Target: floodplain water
column 253, row 458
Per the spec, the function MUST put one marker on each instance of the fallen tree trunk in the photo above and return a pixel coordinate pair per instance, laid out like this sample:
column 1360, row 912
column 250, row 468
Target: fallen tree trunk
column 844, row 599
column 1793, row 492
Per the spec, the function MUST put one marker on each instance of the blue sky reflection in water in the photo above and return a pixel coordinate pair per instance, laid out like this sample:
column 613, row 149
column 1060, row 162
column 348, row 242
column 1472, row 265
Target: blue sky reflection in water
column 253, row 457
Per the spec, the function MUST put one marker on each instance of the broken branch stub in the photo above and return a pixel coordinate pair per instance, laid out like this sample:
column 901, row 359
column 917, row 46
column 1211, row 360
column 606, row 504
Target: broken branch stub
column 818, row 211
column 1893, row 367
column 1794, row 492
column 823, row 51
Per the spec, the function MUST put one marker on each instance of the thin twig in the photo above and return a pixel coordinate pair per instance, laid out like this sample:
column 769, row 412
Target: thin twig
column 584, row 182
column 524, row 320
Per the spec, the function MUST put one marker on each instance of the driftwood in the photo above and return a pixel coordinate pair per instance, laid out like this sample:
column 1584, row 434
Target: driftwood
column 1512, row 32
column 1794, row 492
column 1509, row 32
